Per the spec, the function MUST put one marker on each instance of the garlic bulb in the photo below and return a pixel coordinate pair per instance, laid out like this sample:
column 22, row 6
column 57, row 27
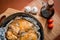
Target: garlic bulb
column 27, row 9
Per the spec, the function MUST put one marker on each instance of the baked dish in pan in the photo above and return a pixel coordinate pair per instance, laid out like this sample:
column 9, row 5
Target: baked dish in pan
column 21, row 26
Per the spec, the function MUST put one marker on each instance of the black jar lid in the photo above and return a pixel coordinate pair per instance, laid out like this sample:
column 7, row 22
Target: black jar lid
column 47, row 13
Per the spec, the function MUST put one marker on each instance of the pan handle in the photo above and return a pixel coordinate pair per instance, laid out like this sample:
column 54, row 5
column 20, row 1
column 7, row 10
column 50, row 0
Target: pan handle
column 1, row 19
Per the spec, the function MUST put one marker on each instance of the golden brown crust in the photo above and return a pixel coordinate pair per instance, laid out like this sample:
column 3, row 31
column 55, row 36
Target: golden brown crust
column 21, row 30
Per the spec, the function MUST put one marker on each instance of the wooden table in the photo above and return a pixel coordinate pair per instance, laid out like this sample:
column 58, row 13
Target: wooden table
column 48, row 34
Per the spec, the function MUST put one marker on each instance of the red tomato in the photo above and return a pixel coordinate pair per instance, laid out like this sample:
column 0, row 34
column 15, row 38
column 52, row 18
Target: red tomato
column 50, row 21
column 50, row 26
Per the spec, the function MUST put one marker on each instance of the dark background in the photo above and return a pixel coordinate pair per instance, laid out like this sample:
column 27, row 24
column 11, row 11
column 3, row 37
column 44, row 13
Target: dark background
column 16, row 4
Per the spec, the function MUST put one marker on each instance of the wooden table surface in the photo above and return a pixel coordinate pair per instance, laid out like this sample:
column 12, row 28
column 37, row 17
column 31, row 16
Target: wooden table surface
column 48, row 34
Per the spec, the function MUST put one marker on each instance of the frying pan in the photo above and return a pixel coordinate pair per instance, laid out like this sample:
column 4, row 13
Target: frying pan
column 20, row 14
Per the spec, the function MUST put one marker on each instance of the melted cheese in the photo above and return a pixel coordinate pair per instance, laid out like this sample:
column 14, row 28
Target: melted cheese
column 19, row 26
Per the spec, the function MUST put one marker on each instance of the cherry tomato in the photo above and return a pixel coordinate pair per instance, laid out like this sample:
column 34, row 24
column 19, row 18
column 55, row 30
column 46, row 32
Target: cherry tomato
column 50, row 21
column 50, row 26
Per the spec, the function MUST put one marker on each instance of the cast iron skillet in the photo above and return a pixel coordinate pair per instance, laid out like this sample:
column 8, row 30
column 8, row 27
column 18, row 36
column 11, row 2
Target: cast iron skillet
column 21, row 14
